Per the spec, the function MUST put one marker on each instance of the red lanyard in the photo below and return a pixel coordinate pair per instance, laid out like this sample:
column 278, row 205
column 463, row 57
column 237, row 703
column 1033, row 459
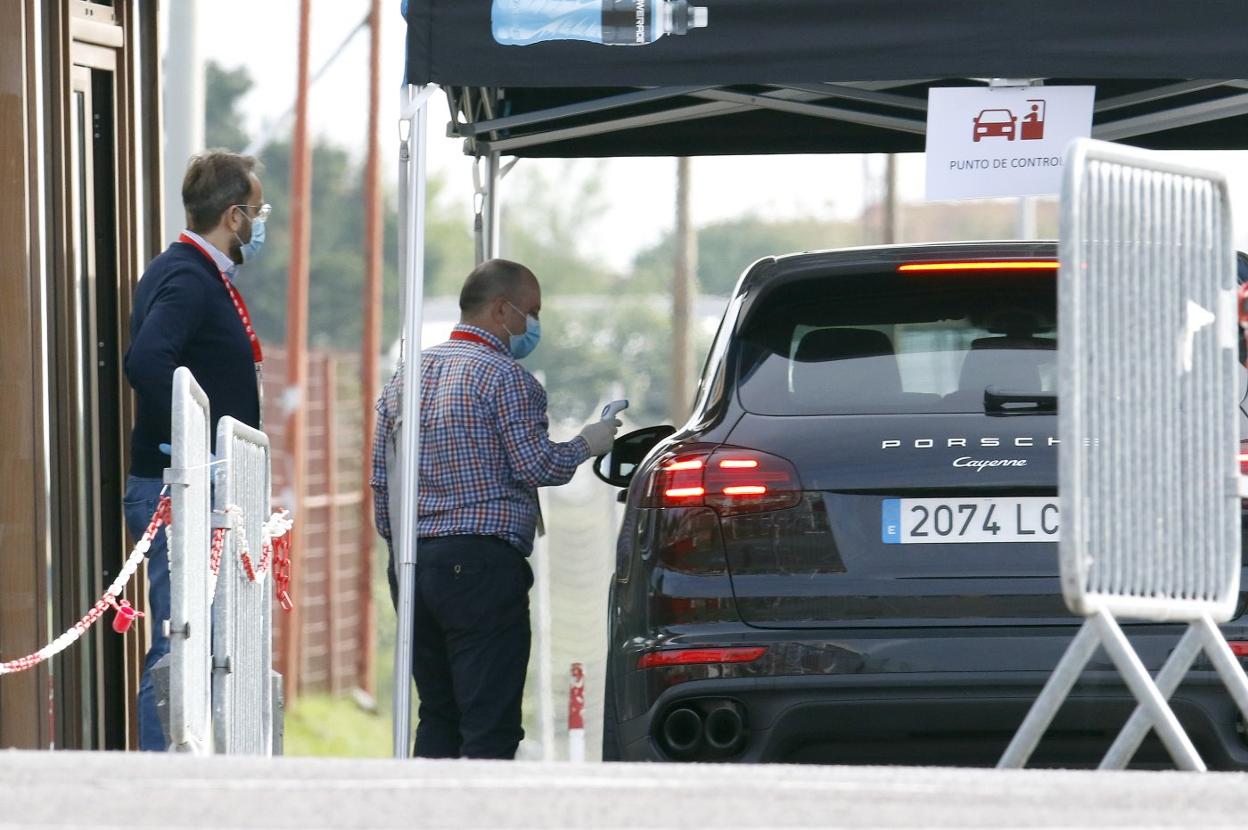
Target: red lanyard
column 239, row 305
column 459, row 334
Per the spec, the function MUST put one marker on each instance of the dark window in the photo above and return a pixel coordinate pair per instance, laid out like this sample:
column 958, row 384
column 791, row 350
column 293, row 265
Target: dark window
column 891, row 343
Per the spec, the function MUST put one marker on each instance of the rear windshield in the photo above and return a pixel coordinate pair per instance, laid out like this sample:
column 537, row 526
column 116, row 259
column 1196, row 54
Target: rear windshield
column 892, row 343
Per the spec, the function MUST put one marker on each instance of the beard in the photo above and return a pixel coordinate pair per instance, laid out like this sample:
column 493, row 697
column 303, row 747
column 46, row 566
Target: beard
column 236, row 251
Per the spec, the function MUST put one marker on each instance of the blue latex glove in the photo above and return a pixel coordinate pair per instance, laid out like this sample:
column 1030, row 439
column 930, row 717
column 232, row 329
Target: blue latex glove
column 167, row 449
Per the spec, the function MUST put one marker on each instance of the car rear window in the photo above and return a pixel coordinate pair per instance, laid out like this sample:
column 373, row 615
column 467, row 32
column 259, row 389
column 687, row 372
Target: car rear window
column 898, row 343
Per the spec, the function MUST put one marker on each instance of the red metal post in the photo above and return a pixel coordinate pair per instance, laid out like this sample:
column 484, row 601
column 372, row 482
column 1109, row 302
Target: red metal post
column 333, row 607
column 576, row 714
column 576, row 697
column 371, row 346
column 296, row 343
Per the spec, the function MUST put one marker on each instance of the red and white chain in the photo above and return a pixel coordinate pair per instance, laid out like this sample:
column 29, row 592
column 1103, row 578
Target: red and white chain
column 274, row 552
column 275, row 535
column 106, row 601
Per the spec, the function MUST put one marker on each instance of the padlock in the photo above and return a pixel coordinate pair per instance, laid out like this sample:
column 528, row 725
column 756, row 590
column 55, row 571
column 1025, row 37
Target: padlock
column 126, row 614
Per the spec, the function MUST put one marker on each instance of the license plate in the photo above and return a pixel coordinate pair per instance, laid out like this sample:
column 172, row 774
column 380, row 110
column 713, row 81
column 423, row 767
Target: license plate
column 944, row 521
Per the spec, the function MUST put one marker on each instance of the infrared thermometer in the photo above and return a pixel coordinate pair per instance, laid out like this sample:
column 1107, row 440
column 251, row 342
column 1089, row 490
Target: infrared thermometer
column 612, row 409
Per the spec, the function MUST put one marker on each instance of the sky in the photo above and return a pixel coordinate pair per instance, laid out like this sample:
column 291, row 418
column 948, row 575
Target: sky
column 264, row 37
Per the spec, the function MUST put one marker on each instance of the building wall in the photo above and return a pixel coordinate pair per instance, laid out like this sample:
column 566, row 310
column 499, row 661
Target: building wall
column 22, row 600
column 79, row 135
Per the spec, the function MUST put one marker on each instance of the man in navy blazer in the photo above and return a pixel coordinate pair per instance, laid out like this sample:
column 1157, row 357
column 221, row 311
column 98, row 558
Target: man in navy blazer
column 187, row 312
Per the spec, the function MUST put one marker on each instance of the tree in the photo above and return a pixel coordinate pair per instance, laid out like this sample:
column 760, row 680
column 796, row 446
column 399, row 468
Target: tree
column 598, row 330
column 727, row 248
column 547, row 212
column 336, row 269
column 591, row 344
column 223, row 89
column 591, row 340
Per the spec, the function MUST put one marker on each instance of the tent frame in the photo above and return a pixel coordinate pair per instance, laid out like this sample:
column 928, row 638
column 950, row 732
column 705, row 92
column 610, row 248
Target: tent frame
column 864, row 103
column 413, row 176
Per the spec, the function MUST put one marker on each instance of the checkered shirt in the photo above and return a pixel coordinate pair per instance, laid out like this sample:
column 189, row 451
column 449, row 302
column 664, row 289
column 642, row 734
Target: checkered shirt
column 484, row 444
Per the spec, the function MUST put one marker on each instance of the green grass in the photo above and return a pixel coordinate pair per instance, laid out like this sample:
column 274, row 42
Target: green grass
column 337, row 727
column 325, row 725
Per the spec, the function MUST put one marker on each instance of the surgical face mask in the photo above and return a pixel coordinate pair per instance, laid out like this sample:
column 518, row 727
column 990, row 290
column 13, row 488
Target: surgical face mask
column 250, row 249
column 522, row 345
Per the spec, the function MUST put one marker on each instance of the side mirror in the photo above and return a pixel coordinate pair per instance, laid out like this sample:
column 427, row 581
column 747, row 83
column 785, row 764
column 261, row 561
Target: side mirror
column 617, row 467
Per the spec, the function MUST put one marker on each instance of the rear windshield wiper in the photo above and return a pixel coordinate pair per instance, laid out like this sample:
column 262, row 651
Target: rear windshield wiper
column 1006, row 401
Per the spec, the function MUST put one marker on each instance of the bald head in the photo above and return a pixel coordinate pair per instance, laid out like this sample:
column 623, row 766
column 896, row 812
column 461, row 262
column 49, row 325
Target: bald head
column 498, row 295
column 492, row 280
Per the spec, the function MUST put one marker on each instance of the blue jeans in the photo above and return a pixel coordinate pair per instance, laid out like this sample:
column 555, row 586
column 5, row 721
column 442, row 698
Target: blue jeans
column 142, row 496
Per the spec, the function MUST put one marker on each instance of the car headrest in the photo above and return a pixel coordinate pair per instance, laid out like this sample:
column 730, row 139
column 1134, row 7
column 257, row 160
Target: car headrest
column 841, row 343
column 1006, row 364
column 1042, row 343
column 830, row 364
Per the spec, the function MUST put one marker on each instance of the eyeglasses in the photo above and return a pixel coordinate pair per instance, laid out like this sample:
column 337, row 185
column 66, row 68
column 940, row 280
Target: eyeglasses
column 262, row 212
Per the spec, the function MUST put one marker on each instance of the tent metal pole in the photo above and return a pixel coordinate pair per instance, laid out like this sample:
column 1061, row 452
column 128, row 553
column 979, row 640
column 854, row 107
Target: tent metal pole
column 492, row 211
column 1159, row 93
column 1172, row 119
column 478, row 214
column 631, row 122
column 461, row 99
column 414, row 132
column 905, row 125
column 866, row 96
column 689, row 113
column 528, row 119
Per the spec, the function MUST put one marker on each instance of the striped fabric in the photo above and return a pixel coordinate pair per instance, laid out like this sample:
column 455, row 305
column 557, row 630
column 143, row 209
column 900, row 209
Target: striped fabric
column 484, row 443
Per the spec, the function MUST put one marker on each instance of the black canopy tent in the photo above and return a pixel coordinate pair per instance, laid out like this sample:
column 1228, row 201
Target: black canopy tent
column 831, row 76
column 712, row 77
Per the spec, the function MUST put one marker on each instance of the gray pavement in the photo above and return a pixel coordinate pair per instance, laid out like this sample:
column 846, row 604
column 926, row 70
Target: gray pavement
column 107, row 790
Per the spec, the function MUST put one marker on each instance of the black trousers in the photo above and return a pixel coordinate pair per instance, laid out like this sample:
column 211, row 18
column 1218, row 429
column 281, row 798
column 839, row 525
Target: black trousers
column 471, row 641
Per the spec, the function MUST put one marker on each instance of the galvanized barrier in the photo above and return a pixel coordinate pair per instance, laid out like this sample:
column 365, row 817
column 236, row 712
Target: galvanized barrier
column 189, row 624
column 1148, row 426
column 242, row 688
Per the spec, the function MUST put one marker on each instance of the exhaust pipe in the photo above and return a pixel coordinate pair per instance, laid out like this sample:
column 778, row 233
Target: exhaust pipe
column 682, row 731
column 725, row 728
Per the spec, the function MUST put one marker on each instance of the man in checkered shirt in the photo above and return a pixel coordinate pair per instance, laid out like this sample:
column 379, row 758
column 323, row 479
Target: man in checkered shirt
column 484, row 451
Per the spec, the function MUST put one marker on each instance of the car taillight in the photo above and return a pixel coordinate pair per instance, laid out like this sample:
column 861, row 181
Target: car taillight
column 979, row 265
column 679, row 481
column 1243, row 471
column 1239, row 647
column 730, row 480
column 696, row 656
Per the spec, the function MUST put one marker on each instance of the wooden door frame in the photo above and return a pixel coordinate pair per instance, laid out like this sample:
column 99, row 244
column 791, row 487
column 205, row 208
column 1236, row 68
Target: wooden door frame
column 57, row 36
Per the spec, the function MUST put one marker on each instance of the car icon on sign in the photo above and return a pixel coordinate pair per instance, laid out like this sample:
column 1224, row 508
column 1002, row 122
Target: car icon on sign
column 993, row 122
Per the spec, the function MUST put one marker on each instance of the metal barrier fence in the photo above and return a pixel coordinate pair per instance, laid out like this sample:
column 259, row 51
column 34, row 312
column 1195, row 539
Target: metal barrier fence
column 189, row 621
column 242, row 688
column 1148, row 426
column 1148, row 419
column 224, row 695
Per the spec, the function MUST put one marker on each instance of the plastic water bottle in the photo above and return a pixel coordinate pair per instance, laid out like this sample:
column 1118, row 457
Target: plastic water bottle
column 611, row 22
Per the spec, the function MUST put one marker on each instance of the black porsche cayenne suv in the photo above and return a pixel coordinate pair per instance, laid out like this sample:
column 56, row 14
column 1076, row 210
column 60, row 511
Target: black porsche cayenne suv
column 849, row 552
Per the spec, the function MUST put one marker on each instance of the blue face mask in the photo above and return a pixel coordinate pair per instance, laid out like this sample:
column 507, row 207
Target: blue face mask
column 522, row 345
column 251, row 248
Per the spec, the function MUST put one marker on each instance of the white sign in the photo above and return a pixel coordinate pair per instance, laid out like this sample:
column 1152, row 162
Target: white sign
column 1008, row 141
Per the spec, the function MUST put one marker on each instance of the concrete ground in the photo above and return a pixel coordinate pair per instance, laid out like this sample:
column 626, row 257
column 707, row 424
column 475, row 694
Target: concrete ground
column 115, row 790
